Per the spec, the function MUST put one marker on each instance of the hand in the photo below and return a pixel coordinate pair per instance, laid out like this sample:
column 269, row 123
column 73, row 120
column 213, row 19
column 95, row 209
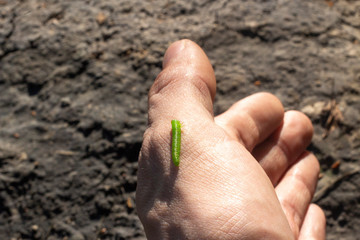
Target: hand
column 243, row 175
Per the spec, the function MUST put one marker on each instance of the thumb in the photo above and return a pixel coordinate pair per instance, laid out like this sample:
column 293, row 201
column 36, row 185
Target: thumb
column 186, row 85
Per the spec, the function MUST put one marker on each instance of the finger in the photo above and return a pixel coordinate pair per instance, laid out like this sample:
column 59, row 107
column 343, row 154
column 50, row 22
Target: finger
column 185, row 86
column 285, row 145
column 252, row 119
column 296, row 189
column 314, row 224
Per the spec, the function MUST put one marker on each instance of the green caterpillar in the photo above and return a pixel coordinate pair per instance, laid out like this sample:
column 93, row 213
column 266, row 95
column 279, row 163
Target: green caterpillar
column 176, row 141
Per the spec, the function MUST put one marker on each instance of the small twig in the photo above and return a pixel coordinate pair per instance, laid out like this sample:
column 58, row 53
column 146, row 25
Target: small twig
column 65, row 153
column 326, row 189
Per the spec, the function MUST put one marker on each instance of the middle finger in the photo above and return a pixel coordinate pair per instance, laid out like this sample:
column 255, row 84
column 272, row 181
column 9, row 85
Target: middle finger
column 277, row 153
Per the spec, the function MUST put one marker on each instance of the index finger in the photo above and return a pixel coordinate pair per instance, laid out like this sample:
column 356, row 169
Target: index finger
column 186, row 85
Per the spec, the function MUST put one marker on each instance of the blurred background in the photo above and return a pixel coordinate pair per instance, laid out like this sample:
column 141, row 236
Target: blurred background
column 74, row 77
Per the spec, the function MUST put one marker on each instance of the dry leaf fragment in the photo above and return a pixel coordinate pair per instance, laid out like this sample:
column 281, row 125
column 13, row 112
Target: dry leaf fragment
column 336, row 164
column 129, row 203
column 34, row 228
column 257, row 83
column 101, row 18
column 103, row 230
column 23, row 156
column 334, row 117
column 330, row 3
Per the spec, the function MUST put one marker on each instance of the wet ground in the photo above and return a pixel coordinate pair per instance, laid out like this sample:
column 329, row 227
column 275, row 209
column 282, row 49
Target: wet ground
column 74, row 77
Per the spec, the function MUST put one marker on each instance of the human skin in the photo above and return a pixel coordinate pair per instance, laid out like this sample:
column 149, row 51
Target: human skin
column 244, row 174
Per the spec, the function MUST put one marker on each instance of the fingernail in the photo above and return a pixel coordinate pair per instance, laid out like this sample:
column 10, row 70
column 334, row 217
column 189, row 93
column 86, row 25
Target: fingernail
column 173, row 52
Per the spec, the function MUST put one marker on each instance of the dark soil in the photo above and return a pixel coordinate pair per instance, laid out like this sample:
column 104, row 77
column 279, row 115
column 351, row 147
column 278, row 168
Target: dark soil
column 74, row 77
